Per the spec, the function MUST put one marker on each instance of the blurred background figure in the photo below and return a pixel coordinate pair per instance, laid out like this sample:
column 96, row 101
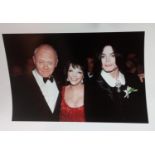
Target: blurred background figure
column 16, row 70
column 134, row 67
column 90, row 69
column 132, row 63
column 29, row 66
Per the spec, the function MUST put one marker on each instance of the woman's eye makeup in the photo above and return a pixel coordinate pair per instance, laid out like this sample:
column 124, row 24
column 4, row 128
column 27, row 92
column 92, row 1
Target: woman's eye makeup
column 80, row 72
column 70, row 70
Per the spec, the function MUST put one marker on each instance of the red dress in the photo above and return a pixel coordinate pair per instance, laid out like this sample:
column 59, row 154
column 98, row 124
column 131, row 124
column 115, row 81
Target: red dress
column 69, row 114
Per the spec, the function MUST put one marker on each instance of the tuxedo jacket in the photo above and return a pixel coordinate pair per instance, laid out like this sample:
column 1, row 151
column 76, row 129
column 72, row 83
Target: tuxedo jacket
column 108, row 105
column 29, row 103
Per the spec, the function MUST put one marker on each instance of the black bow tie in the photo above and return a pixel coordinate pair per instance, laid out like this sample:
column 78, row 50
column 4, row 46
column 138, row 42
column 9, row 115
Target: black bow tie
column 45, row 79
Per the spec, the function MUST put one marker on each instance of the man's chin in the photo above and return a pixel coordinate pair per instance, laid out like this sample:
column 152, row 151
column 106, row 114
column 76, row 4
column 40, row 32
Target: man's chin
column 45, row 75
column 109, row 71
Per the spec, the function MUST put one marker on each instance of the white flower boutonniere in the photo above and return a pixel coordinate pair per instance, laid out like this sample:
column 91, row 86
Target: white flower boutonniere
column 129, row 90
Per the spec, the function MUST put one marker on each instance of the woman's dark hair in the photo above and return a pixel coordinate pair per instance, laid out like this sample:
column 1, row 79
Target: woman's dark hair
column 75, row 64
column 120, row 62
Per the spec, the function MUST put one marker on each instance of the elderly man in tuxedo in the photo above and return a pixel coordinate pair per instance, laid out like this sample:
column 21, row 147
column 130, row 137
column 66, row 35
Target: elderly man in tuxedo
column 36, row 96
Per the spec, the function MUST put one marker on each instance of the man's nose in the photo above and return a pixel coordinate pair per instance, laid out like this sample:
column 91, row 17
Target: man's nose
column 107, row 59
column 45, row 66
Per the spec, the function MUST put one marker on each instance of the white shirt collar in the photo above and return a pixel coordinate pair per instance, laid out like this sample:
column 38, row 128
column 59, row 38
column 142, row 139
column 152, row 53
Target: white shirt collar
column 112, row 81
column 37, row 75
column 48, row 89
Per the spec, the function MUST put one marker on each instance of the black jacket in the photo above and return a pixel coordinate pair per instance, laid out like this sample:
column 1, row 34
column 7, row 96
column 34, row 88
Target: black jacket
column 110, row 106
column 29, row 103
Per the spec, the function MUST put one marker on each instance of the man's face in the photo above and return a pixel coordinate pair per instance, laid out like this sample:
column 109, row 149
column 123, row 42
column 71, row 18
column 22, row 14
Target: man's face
column 45, row 61
column 108, row 59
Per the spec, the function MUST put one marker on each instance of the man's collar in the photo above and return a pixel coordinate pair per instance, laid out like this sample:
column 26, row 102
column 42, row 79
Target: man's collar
column 111, row 81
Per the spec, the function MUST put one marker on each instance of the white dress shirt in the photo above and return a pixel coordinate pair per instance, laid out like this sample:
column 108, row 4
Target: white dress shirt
column 49, row 90
column 112, row 81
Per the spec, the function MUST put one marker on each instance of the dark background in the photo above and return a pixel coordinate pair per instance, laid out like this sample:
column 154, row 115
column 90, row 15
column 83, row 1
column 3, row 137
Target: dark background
column 20, row 47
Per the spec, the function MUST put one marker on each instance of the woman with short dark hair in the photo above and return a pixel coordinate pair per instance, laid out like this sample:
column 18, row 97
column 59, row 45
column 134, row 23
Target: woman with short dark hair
column 72, row 104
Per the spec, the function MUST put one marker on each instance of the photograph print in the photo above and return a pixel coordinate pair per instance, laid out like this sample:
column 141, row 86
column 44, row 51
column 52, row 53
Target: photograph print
column 77, row 77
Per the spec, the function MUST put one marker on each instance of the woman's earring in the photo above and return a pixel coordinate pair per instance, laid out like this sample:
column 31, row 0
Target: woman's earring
column 82, row 81
column 67, row 80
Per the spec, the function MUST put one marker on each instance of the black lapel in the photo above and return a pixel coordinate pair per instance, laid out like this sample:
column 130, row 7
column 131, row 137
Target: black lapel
column 37, row 94
column 104, row 86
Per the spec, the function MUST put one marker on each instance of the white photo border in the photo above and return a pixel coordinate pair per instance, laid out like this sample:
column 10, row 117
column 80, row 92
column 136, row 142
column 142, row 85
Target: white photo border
column 5, row 89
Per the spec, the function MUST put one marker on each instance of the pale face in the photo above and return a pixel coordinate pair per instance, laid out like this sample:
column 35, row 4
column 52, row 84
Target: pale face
column 108, row 59
column 75, row 75
column 45, row 61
